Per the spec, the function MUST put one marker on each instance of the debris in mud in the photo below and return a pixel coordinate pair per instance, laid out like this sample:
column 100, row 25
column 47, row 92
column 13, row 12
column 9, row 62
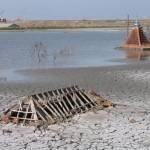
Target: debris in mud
column 6, row 131
column 100, row 100
column 53, row 106
column 131, row 120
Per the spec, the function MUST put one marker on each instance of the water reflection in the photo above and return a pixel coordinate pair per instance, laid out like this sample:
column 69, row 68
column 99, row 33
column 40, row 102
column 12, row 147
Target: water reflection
column 137, row 54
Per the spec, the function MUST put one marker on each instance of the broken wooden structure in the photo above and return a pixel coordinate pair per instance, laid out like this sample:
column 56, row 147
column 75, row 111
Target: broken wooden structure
column 52, row 106
column 137, row 39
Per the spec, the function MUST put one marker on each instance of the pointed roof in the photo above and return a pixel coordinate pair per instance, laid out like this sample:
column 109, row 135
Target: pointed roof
column 137, row 38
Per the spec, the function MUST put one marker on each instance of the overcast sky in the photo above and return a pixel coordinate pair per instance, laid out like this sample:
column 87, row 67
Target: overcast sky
column 74, row 9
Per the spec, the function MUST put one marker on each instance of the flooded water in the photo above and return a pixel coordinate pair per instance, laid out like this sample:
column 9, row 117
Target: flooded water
column 58, row 48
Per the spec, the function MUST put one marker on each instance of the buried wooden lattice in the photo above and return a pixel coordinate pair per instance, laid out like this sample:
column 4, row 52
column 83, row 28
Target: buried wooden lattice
column 52, row 106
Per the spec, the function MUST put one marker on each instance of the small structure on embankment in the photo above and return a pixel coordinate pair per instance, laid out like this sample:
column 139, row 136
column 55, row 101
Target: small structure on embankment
column 137, row 39
column 53, row 106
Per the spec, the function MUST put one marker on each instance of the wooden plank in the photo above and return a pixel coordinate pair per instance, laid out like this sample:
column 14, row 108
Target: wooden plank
column 68, row 90
column 61, row 107
column 88, row 98
column 55, row 115
column 83, row 104
column 21, row 111
column 69, row 102
column 39, row 98
column 49, row 97
column 20, row 105
column 61, row 112
column 64, row 108
column 85, row 99
column 74, row 99
column 55, row 96
column 44, row 97
column 26, row 114
column 66, row 113
column 44, row 111
column 20, row 118
column 41, row 116
column 56, row 112
column 33, row 109
column 50, row 93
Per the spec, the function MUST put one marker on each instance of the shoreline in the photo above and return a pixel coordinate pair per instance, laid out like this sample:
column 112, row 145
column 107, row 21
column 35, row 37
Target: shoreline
column 96, row 78
column 64, row 29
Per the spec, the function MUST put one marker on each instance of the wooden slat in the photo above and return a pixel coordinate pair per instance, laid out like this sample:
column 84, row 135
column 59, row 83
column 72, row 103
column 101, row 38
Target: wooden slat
column 20, row 111
column 74, row 99
column 69, row 102
column 55, row 96
column 64, row 109
column 64, row 102
column 39, row 98
column 41, row 116
column 83, row 104
column 88, row 98
column 26, row 114
column 56, row 112
column 89, row 103
column 44, row 97
column 58, row 107
column 66, row 113
column 33, row 109
column 20, row 118
column 44, row 111
column 52, row 111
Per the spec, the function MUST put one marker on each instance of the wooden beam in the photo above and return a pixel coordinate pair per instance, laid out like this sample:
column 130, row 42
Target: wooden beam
column 87, row 99
column 64, row 107
column 33, row 109
column 52, row 111
column 69, row 101
column 58, row 107
column 83, row 104
column 51, row 105
column 44, row 111
column 26, row 113
column 74, row 99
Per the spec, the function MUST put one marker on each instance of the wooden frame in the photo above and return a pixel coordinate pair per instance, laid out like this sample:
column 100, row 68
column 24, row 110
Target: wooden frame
column 52, row 106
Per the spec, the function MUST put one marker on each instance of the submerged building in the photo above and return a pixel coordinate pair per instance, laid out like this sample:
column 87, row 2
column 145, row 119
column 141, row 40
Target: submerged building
column 137, row 39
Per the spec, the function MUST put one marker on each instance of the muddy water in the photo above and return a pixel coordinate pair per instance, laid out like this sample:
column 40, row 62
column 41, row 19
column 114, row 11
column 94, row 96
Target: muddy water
column 57, row 48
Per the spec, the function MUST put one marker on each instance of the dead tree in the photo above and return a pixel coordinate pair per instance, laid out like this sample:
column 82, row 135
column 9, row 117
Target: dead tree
column 39, row 51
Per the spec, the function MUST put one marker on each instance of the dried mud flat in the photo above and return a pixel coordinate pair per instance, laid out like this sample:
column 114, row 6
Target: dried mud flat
column 126, row 126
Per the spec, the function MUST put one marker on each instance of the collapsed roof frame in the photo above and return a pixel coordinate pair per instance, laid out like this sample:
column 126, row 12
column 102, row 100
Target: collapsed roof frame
column 52, row 106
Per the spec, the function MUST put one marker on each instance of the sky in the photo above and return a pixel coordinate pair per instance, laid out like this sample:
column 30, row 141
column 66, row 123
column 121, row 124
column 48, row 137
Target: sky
column 74, row 9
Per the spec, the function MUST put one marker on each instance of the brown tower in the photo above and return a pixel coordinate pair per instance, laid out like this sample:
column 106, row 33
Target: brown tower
column 137, row 39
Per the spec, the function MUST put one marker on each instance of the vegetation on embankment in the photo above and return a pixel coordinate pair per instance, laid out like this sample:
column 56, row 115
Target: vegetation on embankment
column 63, row 24
column 73, row 24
